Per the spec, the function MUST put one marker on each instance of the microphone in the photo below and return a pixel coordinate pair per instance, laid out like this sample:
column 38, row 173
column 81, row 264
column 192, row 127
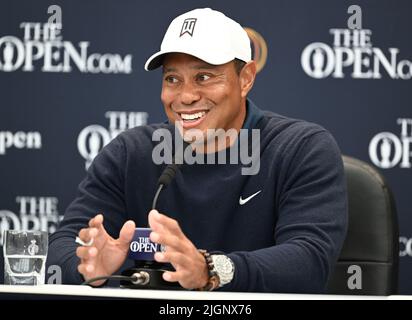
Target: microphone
column 165, row 178
column 147, row 273
column 170, row 171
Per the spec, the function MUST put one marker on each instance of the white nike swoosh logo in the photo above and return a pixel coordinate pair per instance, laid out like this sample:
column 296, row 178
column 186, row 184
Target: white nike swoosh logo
column 243, row 201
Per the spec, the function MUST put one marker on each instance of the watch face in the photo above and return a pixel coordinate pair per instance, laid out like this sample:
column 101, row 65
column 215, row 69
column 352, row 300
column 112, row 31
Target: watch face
column 224, row 268
column 223, row 264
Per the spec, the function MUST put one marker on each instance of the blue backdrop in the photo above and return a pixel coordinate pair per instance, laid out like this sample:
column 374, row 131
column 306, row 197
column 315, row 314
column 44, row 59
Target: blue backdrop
column 65, row 92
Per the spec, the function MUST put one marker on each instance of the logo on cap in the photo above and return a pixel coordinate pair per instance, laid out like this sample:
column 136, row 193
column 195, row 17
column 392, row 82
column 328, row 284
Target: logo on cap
column 188, row 26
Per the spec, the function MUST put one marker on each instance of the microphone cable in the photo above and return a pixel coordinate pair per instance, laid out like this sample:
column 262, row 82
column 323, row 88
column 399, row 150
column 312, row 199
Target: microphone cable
column 141, row 277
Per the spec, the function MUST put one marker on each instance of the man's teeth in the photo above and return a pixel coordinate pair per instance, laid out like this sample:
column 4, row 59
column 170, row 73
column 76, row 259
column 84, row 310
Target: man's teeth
column 192, row 116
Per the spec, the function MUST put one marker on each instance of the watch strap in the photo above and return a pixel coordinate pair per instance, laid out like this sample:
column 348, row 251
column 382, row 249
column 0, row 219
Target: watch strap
column 213, row 281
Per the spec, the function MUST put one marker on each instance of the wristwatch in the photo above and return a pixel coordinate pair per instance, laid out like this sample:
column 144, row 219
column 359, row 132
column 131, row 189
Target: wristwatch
column 223, row 267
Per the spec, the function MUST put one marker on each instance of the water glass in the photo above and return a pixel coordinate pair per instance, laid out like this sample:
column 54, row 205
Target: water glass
column 25, row 255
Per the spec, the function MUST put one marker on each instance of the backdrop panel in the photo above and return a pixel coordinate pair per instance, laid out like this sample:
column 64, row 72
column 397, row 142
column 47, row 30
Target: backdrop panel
column 67, row 92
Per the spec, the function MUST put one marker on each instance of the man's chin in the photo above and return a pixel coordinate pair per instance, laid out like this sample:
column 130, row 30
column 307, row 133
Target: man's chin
column 195, row 136
column 198, row 135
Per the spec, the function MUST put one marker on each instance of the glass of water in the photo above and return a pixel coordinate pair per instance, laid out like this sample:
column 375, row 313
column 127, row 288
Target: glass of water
column 25, row 255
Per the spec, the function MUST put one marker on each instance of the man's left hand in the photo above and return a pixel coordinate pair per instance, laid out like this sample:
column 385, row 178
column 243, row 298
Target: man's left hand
column 190, row 265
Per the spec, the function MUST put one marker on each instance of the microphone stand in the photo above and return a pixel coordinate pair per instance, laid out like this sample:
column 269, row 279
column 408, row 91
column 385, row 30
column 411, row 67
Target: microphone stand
column 149, row 274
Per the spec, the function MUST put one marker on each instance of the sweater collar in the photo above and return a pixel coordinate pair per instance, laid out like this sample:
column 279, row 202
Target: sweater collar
column 253, row 115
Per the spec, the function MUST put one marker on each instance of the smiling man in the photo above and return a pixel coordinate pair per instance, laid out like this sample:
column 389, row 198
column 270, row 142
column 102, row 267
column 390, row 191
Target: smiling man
column 278, row 230
column 205, row 96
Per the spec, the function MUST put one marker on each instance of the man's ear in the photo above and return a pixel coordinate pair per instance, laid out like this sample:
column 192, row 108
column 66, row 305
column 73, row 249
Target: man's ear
column 247, row 78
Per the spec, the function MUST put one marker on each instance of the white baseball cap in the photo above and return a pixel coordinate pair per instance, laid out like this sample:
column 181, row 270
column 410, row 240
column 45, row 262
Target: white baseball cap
column 205, row 34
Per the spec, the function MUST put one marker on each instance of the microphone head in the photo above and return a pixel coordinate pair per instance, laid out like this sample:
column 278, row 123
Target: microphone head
column 170, row 171
column 168, row 174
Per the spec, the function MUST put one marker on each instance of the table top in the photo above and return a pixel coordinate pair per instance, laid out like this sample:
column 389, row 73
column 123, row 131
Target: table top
column 86, row 291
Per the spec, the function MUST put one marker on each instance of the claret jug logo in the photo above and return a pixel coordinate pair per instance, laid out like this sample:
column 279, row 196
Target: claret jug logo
column 94, row 137
column 387, row 150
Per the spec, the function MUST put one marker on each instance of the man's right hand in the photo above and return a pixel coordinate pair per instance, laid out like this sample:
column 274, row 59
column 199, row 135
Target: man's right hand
column 105, row 255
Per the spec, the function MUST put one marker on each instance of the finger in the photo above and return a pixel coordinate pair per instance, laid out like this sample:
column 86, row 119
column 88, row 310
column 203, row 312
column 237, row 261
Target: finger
column 175, row 258
column 86, row 270
column 87, row 234
column 172, row 276
column 184, row 278
column 92, row 257
column 165, row 222
column 154, row 224
column 168, row 240
column 126, row 233
column 86, row 253
column 88, row 260
column 97, row 221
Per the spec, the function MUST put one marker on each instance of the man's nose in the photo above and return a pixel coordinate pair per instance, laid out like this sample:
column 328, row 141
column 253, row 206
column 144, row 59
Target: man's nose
column 189, row 94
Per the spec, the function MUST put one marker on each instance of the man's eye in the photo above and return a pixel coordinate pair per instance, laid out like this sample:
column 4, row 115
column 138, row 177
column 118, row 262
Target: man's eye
column 203, row 77
column 171, row 79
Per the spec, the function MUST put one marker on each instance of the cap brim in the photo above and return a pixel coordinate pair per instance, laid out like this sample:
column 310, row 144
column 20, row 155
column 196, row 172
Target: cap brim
column 156, row 60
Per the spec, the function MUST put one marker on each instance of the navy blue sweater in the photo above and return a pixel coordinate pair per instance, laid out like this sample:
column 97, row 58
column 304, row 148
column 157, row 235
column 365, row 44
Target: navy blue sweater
column 285, row 239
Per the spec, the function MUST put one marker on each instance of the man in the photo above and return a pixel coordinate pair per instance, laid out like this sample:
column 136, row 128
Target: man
column 279, row 230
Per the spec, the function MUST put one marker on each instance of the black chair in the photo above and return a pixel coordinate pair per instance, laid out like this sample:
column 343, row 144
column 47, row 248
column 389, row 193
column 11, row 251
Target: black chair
column 368, row 263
